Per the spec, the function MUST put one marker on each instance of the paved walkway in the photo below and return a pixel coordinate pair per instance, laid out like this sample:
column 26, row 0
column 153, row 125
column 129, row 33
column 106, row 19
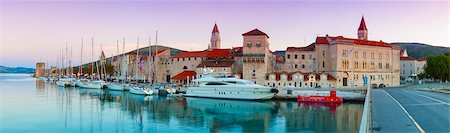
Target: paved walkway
column 430, row 111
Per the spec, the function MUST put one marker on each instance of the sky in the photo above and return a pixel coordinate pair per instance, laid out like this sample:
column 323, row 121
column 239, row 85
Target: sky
column 32, row 31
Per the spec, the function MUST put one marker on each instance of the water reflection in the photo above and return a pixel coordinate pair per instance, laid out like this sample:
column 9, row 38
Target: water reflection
column 92, row 110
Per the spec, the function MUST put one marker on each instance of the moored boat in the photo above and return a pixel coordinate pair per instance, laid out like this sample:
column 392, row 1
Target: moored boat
column 227, row 87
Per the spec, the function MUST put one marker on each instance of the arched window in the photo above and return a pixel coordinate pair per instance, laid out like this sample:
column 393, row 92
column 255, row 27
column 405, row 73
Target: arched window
column 185, row 67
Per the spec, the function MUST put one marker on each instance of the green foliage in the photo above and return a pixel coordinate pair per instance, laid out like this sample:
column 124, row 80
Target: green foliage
column 438, row 66
column 110, row 69
column 424, row 75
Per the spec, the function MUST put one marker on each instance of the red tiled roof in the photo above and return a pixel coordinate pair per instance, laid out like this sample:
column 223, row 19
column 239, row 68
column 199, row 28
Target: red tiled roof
column 323, row 40
column 215, row 29
column 183, row 75
column 216, row 63
column 422, row 59
column 362, row 25
column 219, row 53
column 212, row 53
column 310, row 47
column 407, row 58
column 158, row 52
column 329, row 77
column 255, row 32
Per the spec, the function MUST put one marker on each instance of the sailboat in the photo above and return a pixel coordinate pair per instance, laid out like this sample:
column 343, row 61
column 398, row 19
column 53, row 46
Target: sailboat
column 118, row 86
column 135, row 88
column 86, row 83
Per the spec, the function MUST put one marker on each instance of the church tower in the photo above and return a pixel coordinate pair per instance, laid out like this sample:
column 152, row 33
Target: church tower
column 362, row 30
column 215, row 38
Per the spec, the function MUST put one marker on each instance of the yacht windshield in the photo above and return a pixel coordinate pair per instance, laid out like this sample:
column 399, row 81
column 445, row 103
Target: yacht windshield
column 248, row 83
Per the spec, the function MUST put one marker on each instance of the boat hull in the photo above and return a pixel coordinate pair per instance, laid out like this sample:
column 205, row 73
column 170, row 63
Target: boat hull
column 230, row 93
column 140, row 91
column 116, row 87
column 89, row 85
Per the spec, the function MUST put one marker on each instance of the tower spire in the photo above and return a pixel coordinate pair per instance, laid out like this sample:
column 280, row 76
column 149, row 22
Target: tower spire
column 215, row 38
column 362, row 30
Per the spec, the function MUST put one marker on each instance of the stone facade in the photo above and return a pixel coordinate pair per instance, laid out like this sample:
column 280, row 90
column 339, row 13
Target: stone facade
column 40, row 69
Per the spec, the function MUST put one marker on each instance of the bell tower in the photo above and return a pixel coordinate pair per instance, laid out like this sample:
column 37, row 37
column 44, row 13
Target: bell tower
column 215, row 38
column 362, row 30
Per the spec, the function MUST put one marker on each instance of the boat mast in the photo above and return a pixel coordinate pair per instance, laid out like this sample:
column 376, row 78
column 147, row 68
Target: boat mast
column 117, row 57
column 92, row 60
column 64, row 60
column 80, row 69
column 121, row 58
column 156, row 59
column 149, row 59
column 136, row 60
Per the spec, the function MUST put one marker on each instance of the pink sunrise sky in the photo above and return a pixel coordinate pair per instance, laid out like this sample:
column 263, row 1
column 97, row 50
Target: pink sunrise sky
column 32, row 31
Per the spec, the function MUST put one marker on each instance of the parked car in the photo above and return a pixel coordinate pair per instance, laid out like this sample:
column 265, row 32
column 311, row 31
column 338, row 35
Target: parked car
column 374, row 86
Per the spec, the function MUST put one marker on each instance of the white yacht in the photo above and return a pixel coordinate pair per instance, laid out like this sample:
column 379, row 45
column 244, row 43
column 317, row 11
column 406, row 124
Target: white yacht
column 228, row 87
column 117, row 86
column 66, row 81
column 87, row 84
column 140, row 90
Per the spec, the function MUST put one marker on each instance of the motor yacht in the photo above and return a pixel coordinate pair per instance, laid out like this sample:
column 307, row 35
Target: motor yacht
column 140, row 90
column 229, row 87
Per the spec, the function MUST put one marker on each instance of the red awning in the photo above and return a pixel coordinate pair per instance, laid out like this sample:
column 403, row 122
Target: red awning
column 183, row 75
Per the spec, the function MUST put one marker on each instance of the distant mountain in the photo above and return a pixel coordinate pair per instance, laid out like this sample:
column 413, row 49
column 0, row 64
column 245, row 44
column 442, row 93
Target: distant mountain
column 4, row 69
column 420, row 50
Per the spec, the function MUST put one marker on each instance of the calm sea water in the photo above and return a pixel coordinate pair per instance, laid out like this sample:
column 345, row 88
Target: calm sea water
column 29, row 105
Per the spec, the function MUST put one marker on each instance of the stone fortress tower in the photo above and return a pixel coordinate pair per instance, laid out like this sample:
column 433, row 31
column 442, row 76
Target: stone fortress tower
column 256, row 56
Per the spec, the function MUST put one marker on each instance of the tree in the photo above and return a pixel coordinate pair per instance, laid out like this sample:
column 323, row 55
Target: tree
column 438, row 66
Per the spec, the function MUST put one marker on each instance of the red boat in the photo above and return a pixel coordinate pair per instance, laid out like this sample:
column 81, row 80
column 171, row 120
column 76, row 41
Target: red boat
column 323, row 99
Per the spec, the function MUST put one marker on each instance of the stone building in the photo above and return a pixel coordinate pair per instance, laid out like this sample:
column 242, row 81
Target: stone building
column 40, row 69
column 410, row 67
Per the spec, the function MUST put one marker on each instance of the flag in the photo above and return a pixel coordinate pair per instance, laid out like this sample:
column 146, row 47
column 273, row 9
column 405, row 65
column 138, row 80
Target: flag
column 141, row 66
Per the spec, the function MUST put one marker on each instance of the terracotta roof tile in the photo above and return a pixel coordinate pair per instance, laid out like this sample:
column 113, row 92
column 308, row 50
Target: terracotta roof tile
column 183, row 75
column 407, row 58
column 310, row 47
column 255, row 32
column 324, row 40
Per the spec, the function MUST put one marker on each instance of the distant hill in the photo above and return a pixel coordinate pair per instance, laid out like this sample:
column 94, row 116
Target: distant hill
column 4, row 69
column 420, row 50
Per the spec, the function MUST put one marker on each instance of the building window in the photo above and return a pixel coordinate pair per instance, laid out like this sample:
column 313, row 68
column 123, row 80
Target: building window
column 288, row 56
column 249, row 44
column 380, row 65
column 195, row 58
column 387, row 56
column 189, row 58
column 356, row 54
column 185, row 67
column 323, row 63
column 310, row 57
column 356, row 65
column 295, row 56
column 372, row 55
column 364, row 55
column 258, row 44
column 303, row 56
column 183, row 59
column 303, row 65
column 323, row 53
column 178, row 59
column 380, row 56
column 295, row 66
